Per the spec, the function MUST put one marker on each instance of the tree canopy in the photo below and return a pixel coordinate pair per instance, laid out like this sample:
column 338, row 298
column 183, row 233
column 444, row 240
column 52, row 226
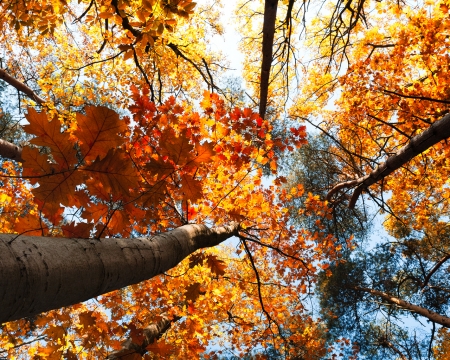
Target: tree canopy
column 128, row 158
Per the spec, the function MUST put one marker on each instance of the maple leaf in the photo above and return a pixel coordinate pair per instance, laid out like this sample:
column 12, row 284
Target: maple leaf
column 87, row 319
column 55, row 332
column 191, row 188
column 77, row 230
column 56, row 186
column 99, row 131
column 160, row 348
column 205, row 152
column 216, row 265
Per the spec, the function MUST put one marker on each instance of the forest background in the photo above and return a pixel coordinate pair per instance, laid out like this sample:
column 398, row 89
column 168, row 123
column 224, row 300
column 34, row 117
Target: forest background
column 129, row 158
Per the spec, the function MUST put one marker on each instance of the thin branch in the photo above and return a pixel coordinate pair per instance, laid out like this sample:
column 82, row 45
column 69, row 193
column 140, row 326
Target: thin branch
column 434, row 269
column 84, row 13
column 151, row 334
column 416, row 97
column 429, row 314
column 97, row 62
column 258, row 280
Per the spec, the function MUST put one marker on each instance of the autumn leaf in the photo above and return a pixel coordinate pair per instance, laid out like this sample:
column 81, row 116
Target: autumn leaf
column 48, row 133
column 160, row 348
column 87, row 319
column 113, row 174
column 191, row 188
column 99, row 131
column 77, row 230
column 193, row 291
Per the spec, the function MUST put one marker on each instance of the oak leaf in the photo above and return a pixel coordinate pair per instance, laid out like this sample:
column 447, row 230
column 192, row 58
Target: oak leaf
column 99, row 131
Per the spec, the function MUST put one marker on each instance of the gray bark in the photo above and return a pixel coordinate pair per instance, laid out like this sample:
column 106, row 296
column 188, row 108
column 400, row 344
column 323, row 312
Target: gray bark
column 41, row 273
column 438, row 131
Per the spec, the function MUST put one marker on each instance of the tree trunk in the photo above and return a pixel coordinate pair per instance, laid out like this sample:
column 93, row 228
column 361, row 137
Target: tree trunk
column 41, row 273
column 270, row 16
column 430, row 315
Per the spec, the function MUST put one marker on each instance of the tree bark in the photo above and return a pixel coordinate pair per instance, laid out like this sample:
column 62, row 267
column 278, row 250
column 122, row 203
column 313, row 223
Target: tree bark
column 21, row 87
column 270, row 16
column 438, row 131
column 10, row 151
column 151, row 334
column 41, row 273
column 430, row 315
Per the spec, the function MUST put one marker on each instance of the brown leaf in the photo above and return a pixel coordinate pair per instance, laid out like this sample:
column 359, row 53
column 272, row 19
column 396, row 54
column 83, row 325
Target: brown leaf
column 193, row 291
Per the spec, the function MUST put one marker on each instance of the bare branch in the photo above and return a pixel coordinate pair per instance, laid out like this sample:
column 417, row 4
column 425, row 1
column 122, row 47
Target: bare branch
column 438, row 131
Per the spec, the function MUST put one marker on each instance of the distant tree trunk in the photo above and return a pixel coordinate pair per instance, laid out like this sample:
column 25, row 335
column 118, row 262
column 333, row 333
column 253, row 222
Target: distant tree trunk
column 41, row 273
column 270, row 16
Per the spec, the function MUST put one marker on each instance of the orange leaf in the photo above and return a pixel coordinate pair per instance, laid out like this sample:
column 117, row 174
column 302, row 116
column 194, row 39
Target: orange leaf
column 161, row 348
column 115, row 174
column 98, row 131
column 49, row 134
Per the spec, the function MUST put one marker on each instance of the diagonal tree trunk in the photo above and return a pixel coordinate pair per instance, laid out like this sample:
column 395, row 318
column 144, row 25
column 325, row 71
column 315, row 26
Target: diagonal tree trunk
column 41, row 273
column 21, row 87
column 270, row 16
column 430, row 315
column 438, row 131
column 151, row 334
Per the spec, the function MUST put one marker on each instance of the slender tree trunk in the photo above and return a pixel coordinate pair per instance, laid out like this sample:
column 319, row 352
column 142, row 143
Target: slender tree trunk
column 430, row 315
column 41, row 273
column 270, row 16
column 151, row 334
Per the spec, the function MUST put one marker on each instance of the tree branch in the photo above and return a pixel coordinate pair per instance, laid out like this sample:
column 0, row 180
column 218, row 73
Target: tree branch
column 21, row 87
column 438, row 131
column 10, row 151
column 430, row 315
column 151, row 334
column 48, row 273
